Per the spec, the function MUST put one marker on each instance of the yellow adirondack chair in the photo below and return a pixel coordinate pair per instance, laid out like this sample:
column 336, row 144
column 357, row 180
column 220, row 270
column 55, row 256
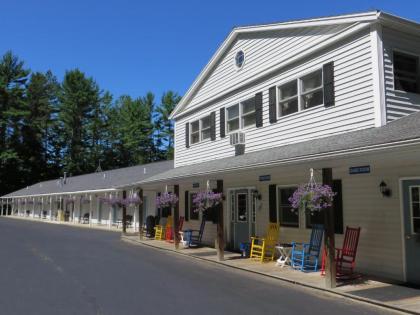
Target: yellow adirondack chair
column 159, row 232
column 160, row 229
column 264, row 248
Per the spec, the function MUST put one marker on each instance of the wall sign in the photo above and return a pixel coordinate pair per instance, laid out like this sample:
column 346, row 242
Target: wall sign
column 265, row 178
column 359, row 169
column 196, row 185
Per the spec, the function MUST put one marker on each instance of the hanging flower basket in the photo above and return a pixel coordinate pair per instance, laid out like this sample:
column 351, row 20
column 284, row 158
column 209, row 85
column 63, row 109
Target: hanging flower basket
column 312, row 197
column 134, row 200
column 205, row 200
column 113, row 201
column 166, row 200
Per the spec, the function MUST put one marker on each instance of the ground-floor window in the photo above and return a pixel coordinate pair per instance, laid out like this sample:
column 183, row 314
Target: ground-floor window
column 415, row 209
column 287, row 217
column 194, row 215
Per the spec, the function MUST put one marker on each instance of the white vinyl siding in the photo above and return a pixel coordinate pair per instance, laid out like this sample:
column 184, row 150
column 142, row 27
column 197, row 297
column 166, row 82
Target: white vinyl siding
column 262, row 51
column 398, row 103
column 353, row 105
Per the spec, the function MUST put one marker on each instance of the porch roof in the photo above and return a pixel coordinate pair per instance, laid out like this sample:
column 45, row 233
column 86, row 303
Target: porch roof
column 100, row 181
column 402, row 132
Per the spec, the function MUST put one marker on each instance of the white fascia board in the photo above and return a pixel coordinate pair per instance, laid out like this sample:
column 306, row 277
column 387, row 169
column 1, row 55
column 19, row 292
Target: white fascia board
column 301, row 159
column 81, row 192
column 399, row 23
column 332, row 20
column 345, row 19
column 317, row 45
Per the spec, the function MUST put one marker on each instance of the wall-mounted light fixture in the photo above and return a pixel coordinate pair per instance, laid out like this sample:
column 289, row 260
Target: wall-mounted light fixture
column 383, row 188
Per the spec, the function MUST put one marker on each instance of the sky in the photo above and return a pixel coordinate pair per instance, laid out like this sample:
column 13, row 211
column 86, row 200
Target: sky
column 132, row 47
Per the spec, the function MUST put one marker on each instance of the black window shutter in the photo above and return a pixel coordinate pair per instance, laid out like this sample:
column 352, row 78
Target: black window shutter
column 272, row 105
column 186, row 205
column 187, row 135
column 337, row 187
column 258, row 109
column 328, row 81
column 272, row 203
column 222, row 123
column 213, row 126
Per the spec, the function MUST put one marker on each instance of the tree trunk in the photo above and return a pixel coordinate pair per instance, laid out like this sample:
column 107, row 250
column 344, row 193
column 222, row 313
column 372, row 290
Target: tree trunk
column 329, row 239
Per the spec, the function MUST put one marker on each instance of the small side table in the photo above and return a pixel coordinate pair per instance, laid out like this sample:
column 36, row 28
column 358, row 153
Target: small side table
column 285, row 251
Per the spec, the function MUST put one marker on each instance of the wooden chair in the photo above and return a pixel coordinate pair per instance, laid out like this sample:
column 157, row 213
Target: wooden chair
column 345, row 257
column 264, row 248
column 305, row 255
column 192, row 238
column 85, row 218
column 160, row 229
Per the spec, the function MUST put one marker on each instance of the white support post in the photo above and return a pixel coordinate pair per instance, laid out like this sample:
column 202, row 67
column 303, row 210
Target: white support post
column 50, row 208
column 33, row 207
column 90, row 210
column 110, row 214
column 2, row 207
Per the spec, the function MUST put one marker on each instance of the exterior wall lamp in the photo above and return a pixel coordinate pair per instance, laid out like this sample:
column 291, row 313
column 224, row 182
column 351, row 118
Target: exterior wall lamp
column 385, row 191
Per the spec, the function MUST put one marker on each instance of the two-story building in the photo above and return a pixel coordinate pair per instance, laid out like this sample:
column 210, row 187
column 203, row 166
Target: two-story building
column 276, row 100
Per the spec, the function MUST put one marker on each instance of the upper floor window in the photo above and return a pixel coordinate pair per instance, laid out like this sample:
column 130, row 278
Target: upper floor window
column 301, row 94
column 241, row 115
column 200, row 130
column 406, row 72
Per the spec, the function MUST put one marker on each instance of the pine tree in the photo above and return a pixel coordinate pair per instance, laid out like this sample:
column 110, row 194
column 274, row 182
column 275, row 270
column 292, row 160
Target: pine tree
column 164, row 126
column 79, row 101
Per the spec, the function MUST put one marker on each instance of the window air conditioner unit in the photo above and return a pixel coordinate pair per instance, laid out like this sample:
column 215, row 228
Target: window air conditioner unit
column 237, row 138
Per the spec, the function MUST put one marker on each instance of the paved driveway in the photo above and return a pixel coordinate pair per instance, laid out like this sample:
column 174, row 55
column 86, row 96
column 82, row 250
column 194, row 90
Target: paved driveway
column 52, row 269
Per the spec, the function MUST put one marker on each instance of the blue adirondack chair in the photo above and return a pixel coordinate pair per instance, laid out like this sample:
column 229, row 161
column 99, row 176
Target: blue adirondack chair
column 305, row 256
column 192, row 238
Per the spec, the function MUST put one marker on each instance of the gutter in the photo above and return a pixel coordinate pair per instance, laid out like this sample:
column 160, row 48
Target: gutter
column 63, row 193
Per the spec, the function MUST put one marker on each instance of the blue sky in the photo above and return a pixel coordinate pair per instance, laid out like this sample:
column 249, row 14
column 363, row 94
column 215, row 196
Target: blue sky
column 131, row 47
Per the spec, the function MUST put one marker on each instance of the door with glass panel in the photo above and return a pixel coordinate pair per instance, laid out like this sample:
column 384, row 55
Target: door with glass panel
column 411, row 223
column 242, row 217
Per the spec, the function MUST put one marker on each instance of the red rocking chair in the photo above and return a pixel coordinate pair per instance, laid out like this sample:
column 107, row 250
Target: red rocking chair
column 169, row 235
column 345, row 257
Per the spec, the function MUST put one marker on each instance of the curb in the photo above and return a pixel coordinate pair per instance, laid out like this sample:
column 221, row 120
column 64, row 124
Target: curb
column 342, row 294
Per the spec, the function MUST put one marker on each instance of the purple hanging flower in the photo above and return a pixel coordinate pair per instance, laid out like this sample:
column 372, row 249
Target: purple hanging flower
column 312, row 197
column 134, row 200
column 166, row 200
column 205, row 200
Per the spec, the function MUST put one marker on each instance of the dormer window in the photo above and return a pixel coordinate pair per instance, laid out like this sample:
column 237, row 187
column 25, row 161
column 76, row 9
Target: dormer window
column 406, row 72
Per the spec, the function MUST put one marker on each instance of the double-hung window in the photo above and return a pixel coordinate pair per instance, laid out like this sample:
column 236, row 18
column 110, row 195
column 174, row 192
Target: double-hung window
column 288, row 98
column 241, row 115
column 406, row 72
column 312, row 90
column 200, row 130
column 301, row 94
column 287, row 217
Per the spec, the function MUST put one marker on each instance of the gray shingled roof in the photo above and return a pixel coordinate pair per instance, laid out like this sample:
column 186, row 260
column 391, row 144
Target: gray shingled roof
column 96, row 181
column 406, row 129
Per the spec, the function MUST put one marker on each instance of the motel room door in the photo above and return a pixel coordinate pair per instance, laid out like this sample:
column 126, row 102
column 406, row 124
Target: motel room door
column 411, row 215
column 242, row 218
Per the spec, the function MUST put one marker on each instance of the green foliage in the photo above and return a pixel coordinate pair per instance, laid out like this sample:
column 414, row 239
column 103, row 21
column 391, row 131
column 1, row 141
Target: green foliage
column 47, row 127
